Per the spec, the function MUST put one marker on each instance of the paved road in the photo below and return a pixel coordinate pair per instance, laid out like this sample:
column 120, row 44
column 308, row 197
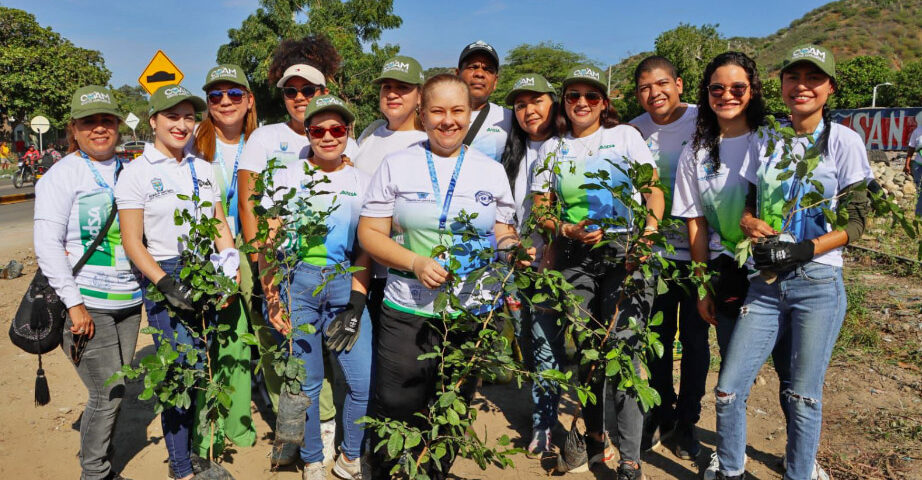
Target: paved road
column 15, row 228
column 7, row 188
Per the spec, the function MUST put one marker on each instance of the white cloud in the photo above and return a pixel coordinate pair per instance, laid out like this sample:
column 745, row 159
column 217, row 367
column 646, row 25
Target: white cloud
column 492, row 7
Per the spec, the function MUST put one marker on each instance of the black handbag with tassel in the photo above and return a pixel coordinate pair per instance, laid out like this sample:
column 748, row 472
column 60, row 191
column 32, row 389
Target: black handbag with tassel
column 38, row 326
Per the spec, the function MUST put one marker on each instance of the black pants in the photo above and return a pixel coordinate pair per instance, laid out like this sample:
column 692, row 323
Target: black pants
column 680, row 311
column 405, row 385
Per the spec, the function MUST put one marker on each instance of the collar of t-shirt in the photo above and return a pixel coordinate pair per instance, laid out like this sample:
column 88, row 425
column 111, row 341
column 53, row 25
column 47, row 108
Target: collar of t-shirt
column 155, row 156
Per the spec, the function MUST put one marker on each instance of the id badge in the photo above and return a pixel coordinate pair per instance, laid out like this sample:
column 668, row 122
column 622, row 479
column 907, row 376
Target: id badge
column 121, row 259
column 232, row 223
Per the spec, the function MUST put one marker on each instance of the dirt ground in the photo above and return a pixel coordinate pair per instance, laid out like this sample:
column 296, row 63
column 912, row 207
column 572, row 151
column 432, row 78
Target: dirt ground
column 872, row 410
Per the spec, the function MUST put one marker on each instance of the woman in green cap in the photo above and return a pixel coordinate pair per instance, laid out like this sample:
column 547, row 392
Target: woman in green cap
column 534, row 104
column 326, row 185
column 592, row 142
column 147, row 197
column 103, row 298
column 398, row 100
column 800, row 291
column 228, row 121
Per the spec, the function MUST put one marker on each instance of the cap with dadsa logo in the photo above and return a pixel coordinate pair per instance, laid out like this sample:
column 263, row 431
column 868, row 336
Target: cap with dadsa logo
column 819, row 56
column 585, row 74
column 168, row 96
column 226, row 72
column 403, row 69
column 93, row 99
column 530, row 82
column 324, row 103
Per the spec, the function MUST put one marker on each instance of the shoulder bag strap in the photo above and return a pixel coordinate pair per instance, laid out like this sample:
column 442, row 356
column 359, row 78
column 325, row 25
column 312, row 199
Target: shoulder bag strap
column 478, row 122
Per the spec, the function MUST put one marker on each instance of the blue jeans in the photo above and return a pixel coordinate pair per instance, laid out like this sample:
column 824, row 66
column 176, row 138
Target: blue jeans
column 546, row 352
column 917, row 179
column 177, row 422
column 319, row 310
column 809, row 303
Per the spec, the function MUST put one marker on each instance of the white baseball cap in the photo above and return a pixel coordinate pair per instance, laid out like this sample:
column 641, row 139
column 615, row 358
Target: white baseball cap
column 306, row 72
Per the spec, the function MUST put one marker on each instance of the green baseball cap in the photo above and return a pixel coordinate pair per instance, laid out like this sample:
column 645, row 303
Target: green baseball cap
column 819, row 56
column 585, row 74
column 323, row 103
column 168, row 96
column 226, row 72
column 530, row 82
column 403, row 69
column 93, row 99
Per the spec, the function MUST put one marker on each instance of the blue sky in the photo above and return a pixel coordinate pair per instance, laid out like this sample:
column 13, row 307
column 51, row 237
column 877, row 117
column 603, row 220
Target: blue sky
column 128, row 33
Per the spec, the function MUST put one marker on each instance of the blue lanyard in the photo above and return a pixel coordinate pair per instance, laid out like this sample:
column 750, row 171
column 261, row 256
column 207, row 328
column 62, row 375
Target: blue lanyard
column 232, row 189
column 443, row 217
column 96, row 175
column 194, row 176
column 796, row 184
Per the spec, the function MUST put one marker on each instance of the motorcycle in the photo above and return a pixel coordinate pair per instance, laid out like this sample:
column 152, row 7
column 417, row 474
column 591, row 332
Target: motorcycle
column 28, row 173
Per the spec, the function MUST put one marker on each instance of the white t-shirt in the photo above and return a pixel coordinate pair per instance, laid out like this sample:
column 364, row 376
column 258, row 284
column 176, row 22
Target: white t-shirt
column 151, row 182
column 402, row 189
column 379, row 142
column 608, row 145
column 915, row 141
column 69, row 195
column 718, row 195
column 846, row 164
column 666, row 143
column 524, row 195
column 345, row 190
column 279, row 141
column 491, row 138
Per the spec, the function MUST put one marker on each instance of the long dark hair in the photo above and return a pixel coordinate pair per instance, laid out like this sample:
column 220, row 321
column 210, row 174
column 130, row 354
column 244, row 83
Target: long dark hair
column 707, row 130
column 607, row 119
column 517, row 140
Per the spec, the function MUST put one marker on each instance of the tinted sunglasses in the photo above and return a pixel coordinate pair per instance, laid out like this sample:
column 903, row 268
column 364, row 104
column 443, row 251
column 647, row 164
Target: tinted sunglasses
column 319, row 132
column 291, row 92
column 234, row 94
column 592, row 98
column 737, row 89
column 77, row 348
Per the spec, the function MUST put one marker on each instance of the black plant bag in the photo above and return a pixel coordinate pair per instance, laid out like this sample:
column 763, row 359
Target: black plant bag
column 731, row 285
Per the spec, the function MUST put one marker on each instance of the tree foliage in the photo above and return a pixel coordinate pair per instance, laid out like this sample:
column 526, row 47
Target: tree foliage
column 856, row 78
column 546, row 58
column 133, row 99
column 348, row 24
column 690, row 49
column 40, row 70
column 908, row 85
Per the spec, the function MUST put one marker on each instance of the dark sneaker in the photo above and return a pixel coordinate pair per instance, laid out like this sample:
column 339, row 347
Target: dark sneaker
column 630, row 471
column 599, row 451
column 116, row 476
column 687, row 445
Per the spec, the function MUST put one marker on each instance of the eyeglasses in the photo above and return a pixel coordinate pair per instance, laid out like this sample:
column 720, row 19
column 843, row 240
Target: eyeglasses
column 234, row 94
column 291, row 92
column 77, row 348
column 737, row 89
column 320, row 132
column 592, row 98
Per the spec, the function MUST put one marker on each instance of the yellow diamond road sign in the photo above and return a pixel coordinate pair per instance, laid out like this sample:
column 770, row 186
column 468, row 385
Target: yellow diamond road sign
column 159, row 72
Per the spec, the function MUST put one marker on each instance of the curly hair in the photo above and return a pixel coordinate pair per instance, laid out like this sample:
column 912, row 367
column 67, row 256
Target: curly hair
column 707, row 129
column 313, row 50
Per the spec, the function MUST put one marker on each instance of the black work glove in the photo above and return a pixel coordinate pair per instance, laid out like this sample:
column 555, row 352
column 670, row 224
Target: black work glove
column 177, row 294
column 343, row 331
column 775, row 256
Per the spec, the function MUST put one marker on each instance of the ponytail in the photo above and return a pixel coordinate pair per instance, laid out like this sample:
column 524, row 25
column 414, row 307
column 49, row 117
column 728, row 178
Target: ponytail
column 822, row 143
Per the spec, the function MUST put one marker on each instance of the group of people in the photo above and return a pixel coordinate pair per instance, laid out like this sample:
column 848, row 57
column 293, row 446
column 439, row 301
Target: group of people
column 442, row 150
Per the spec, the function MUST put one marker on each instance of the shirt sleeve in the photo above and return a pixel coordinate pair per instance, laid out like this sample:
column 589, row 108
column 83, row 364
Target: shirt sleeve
column 851, row 158
column 915, row 139
column 637, row 149
column 686, row 197
column 53, row 198
column 253, row 156
column 128, row 194
column 382, row 194
column 505, row 202
column 749, row 168
column 49, row 237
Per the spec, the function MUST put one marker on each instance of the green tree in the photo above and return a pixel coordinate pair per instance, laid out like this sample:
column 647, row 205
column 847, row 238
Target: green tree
column 690, row 49
column 856, row 78
column 40, row 70
column 771, row 92
column 133, row 99
column 908, row 85
column 349, row 25
column 546, row 58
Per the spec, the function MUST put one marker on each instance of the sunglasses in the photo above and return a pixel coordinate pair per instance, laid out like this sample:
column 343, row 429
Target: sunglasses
column 320, row 132
column 291, row 92
column 592, row 98
column 234, row 94
column 77, row 348
column 737, row 89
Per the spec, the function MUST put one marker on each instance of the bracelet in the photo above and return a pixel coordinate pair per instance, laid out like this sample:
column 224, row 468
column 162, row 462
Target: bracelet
column 649, row 229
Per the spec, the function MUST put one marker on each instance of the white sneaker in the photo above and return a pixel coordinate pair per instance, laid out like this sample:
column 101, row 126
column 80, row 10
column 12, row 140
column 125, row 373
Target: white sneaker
column 327, row 436
column 710, row 473
column 818, row 472
column 314, row 471
column 350, row 469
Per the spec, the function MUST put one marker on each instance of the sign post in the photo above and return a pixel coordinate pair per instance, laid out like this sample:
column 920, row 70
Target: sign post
column 159, row 72
column 40, row 125
column 132, row 121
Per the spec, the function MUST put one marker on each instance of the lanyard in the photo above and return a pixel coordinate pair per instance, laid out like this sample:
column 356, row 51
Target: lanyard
column 232, row 189
column 96, row 175
column 443, row 217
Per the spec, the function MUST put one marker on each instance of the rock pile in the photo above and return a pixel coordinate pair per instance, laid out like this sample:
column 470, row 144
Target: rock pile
column 889, row 173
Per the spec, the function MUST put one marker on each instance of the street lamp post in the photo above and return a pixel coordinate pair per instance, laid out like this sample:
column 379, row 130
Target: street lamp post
column 874, row 96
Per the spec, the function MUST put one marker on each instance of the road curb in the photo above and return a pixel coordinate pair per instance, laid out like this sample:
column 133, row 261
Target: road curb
column 16, row 198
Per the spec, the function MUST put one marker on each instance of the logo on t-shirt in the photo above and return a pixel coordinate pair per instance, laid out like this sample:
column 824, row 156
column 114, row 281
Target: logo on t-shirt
column 565, row 149
column 710, row 170
column 283, row 146
column 494, row 130
column 157, row 183
column 484, row 197
column 351, row 194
